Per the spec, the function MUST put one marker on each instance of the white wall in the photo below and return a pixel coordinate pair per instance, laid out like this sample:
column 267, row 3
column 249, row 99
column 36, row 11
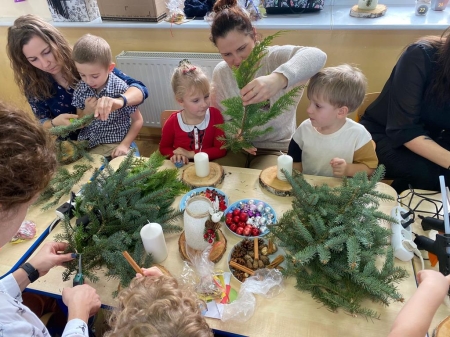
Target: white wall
column 11, row 9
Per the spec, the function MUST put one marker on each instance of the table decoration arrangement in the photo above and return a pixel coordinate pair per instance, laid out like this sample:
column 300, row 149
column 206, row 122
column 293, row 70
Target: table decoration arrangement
column 249, row 255
column 202, row 228
column 208, row 192
column 213, row 178
column 111, row 211
column 250, row 218
column 336, row 248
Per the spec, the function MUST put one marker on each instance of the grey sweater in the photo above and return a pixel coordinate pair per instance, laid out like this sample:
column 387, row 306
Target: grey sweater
column 297, row 64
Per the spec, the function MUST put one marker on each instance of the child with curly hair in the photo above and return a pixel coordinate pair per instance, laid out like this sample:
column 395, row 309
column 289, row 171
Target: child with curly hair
column 192, row 129
column 157, row 306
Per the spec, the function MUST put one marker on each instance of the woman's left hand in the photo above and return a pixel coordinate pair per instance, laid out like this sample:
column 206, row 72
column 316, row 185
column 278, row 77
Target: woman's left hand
column 48, row 257
column 106, row 105
column 262, row 88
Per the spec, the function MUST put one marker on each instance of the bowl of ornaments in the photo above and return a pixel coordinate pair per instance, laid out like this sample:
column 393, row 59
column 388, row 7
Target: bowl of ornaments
column 209, row 192
column 249, row 255
column 248, row 218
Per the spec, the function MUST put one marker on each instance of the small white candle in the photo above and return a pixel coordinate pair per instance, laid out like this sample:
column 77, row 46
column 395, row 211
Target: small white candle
column 284, row 162
column 201, row 162
column 154, row 243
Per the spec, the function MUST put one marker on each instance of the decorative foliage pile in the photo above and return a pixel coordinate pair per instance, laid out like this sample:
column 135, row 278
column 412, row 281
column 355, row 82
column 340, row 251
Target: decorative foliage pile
column 67, row 151
column 334, row 239
column 113, row 207
column 247, row 121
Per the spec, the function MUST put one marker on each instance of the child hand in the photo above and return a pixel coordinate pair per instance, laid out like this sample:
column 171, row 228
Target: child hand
column 185, row 153
column 433, row 277
column 339, row 166
column 120, row 150
column 179, row 158
column 89, row 105
column 152, row 271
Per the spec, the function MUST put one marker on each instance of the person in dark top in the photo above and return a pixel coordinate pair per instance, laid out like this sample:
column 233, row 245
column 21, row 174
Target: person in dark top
column 46, row 74
column 410, row 120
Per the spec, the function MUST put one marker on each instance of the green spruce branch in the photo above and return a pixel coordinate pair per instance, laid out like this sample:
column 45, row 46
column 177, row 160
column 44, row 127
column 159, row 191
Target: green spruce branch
column 116, row 205
column 246, row 123
column 333, row 240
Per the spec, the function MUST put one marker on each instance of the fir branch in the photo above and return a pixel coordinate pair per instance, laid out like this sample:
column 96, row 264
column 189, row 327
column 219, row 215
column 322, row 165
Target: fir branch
column 77, row 123
column 333, row 239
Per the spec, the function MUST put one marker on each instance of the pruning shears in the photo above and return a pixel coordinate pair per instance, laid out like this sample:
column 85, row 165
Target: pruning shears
column 79, row 278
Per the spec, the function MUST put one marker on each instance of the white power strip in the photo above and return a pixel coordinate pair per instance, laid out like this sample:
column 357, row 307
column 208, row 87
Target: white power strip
column 402, row 240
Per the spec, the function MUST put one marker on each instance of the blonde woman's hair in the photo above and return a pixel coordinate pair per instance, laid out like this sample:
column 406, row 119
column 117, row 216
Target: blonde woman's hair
column 340, row 86
column 158, row 307
column 32, row 81
column 188, row 78
column 92, row 49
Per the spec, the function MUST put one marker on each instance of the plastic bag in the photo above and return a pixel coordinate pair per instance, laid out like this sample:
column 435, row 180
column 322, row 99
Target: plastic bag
column 265, row 282
column 199, row 274
column 27, row 231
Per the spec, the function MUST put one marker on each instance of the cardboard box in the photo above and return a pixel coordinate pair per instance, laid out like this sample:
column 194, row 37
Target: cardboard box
column 75, row 11
column 133, row 10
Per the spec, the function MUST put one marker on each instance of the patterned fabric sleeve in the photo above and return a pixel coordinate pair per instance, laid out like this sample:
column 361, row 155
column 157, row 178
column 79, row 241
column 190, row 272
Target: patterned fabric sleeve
column 76, row 328
column 78, row 98
column 40, row 109
column 132, row 82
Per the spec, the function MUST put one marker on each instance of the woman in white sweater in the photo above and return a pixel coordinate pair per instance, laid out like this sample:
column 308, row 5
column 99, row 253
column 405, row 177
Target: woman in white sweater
column 283, row 68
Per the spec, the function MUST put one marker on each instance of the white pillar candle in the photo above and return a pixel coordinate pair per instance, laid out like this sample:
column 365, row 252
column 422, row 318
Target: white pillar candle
column 201, row 162
column 154, row 243
column 284, row 162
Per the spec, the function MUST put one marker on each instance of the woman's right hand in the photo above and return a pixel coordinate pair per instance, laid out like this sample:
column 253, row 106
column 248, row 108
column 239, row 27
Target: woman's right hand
column 82, row 301
column 263, row 88
column 63, row 119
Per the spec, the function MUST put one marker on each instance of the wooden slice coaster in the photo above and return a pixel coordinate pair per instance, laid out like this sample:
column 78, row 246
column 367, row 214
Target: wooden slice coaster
column 219, row 248
column 443, row 329
column 215, row 177
column 163, row 269
column 378, row 11
column 269, row 181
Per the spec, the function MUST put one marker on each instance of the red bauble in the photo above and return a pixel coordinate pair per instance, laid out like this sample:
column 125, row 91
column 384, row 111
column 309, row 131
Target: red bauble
column 243, row 216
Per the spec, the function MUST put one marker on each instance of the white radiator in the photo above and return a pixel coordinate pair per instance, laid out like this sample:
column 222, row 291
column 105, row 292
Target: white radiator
column 155, row 70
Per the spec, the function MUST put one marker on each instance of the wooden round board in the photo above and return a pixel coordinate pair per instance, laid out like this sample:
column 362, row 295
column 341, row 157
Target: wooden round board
column 214, row 178
column 378, row 11
column 443, row 329
column 269, row 181
column 216, row 253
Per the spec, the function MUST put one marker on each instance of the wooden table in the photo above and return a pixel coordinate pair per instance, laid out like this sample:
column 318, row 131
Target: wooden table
column 291, row 313
column 12, row 255
column 416, row 201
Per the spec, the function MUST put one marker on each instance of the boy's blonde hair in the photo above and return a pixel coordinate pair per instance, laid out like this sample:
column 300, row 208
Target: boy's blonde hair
column 340, row 86
column 158, row 307
column 92, row 49
column 187, row 78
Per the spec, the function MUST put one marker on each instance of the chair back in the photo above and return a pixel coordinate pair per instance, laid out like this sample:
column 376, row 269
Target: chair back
column 165, row 115
column 369, row 99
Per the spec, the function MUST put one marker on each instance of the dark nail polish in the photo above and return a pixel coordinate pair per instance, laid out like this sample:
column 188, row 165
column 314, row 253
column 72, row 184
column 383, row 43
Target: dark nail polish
column 74, row 255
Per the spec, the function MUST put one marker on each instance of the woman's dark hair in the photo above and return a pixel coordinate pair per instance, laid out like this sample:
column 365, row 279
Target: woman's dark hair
column 228, row 17
column 439, row 88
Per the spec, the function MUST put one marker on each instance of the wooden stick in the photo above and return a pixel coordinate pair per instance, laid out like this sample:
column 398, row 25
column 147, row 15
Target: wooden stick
column 242, row 268
column 276, row 262
column 255, row 248
column 270, row 247
column 132, row 263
